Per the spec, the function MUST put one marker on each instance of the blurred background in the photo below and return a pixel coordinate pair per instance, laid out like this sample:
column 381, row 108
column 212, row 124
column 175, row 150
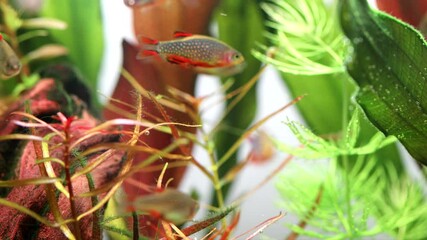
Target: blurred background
column 336, row 150
column 272, row 94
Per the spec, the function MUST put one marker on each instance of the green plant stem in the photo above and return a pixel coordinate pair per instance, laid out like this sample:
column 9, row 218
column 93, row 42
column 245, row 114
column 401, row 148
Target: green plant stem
column 135, row 222
column 216, row 181
column 96, row 230
column 346, row 165
column 347, row 190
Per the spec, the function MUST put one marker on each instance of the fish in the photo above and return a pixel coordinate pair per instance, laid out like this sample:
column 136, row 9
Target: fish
column 262, row 148
column 136, row 3
column 201, row 53
column 9, row 63
column 170, row 205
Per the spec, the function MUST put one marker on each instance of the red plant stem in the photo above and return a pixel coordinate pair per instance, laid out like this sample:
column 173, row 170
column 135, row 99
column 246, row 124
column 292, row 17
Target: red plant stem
column 50, row 191
column 303, row 223
column 175, row 134
column 68, row 178
column 231, row 227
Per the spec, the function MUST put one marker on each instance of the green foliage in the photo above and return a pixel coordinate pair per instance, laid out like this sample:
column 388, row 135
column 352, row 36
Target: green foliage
column 306, row 41
column 25, row 35
column 328, row 90
column 83, row 36
column 363, row 176
column 10, row 17
column 308, row 48
column 27, row 83
column 315, row 147
column 240, row 24
column 389, row 66
column 352, row 204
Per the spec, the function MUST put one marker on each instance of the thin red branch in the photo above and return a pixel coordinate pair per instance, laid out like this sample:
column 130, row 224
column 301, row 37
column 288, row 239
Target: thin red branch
column 303, row 223
column 66, row 155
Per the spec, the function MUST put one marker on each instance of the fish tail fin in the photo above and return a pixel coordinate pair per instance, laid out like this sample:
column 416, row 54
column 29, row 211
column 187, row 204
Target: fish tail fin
column 149, row 47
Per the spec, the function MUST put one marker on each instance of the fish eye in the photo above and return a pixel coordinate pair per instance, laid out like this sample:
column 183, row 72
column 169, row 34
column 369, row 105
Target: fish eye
column 237, row 56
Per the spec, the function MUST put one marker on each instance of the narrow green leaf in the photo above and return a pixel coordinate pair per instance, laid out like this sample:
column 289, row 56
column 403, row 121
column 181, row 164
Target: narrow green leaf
column 84, row 35
column 240, row 25
column 45, row 52
column 29, row 181
column 389, row 64
column 353, row 130
column 33, row 214
column 47, row 23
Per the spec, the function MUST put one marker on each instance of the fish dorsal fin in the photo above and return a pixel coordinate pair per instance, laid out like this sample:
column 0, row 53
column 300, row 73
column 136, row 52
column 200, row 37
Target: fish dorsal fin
column 148, row 41
column 179, row 34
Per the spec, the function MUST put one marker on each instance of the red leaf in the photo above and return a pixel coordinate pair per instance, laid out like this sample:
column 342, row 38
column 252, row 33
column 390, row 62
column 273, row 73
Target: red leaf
column 410, row 11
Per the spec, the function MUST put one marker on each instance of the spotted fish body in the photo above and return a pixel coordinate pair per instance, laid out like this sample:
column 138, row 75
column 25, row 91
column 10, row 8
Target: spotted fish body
column 9, row 62
column 203, row 54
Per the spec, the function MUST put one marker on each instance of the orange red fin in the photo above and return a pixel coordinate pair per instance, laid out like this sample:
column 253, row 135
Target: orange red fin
column 149, row 41
column 179, row 34
column 179, row 60
column 147, row 52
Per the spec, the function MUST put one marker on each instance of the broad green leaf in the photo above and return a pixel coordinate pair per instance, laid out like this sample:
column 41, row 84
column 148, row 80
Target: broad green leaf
column 84, row 35
column 389, row 64
column 240, row 25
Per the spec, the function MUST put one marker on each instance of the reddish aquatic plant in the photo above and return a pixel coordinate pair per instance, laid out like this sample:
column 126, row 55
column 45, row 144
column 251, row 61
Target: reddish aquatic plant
column 35, row 161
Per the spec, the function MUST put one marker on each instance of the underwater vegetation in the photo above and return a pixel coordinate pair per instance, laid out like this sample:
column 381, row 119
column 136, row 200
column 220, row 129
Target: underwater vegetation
column 73, row 167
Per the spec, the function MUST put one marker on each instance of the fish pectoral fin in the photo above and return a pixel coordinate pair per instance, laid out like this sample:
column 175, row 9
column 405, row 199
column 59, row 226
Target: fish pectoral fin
column 179, row 60
column 180, row 34
column 146, row 53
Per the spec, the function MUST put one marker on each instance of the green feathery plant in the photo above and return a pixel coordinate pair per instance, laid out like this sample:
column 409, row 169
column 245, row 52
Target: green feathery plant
column 319, row 197
column 305, row 41
column 360, row 191
column 315, row 147
column 349, row 205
